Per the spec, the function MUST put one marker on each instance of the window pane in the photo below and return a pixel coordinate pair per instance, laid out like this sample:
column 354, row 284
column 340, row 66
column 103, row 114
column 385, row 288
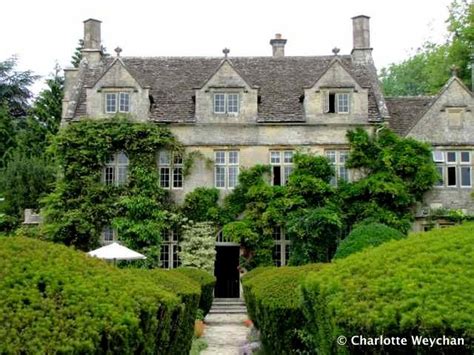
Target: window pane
column 165, row 256
column 165, row 177
column 233, row 176
column 109, row 175
column 165, row 157
column 219, row 103
column 288, row 170
column 277, row 254
column 276, row 233
column 438, row 156
column 465, row 157
column 288, row 157
column 176, row 261
column 342, row 102
column 343, row 174
column 220, row 157
column 178, row 177
column 276, row 175
column 110, row 103
column 122, row 174
column 233, row 103
column 177, row 159
column 233, row 157
column 466, row 176
column 451, row 175
column 331, row 155
column 122, row 158
column 220, row 176
column 451, row 157
column 108, row 234
column 124, row 102
column 440, row 182
column 275, row 158
column 343, row 156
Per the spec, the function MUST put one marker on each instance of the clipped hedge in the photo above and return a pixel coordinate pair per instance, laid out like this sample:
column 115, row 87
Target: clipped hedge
column 364, row 236
column 273, row 303
column 57, row 300
column 207, row 283
column 419, row 286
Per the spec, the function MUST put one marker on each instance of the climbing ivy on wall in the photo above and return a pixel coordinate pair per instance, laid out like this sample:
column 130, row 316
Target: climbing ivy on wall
column 81, row 204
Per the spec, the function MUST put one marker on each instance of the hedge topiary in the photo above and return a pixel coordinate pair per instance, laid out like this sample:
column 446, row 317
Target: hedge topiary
column 419, row 286
column 273, row 303
column 206, row 282
column 364, row 236
column 57, row 300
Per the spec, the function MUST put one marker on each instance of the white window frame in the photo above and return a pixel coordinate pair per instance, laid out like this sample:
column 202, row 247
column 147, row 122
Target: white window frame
column 117, row 167
column 226, row 103
column 283, row 159
column 227, row 166
column 337, row 96
column 118, row 101
column 338, row 164
column 107, row 231
column 281, row 243
column 455, row 165
column 174, row 165
column 170, row 242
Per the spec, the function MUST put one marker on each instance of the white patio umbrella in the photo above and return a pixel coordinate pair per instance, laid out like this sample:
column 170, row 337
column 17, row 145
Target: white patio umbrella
column 115, row 251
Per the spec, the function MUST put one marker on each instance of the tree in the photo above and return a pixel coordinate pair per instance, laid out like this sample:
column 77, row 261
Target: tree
column 396, row 174
column 77, row 56
column 425, row 72
column 198, row 246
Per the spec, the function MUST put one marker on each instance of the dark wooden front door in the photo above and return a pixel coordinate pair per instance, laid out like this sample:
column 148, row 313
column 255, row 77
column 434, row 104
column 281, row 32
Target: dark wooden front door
column 226, row 271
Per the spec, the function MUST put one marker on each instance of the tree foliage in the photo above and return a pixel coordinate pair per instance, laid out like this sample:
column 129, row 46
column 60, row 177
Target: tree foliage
column 396, row 173
column 429, row 68
column 198, row 246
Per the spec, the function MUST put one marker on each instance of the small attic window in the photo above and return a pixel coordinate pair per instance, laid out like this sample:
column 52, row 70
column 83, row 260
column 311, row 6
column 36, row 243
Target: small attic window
column 337, row 102
column 117, row 102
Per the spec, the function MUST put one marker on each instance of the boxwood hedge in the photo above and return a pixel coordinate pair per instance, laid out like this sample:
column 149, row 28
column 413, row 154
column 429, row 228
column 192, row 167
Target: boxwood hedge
column 273, row 303
column 207, row 283
column 57, row 300
column 364, row 236
column 419, row 286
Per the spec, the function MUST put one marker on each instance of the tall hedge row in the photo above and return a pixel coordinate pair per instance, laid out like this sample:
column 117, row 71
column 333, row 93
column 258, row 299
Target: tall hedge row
column 206, row 282
column 56, row 300
column 273, row 303
column 419, row 286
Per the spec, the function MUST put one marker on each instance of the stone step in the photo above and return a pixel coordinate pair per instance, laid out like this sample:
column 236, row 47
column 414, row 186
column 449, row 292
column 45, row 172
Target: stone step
column 242, row 310
column 227, row 300
column 221, row 305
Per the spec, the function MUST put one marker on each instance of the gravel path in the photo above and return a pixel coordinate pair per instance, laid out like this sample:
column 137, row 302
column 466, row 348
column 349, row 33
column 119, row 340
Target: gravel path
column 225, row 334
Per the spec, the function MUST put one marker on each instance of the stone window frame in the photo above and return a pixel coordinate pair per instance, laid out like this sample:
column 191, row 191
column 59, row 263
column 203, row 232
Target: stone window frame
column 339, row 164
column 281, row 246
column 337, row 94
column 458, row 165
column 227, row 95
column 284, row 161
column 174, row 166
column 169, row 249
column 115, row 171
column 117, row 94
column 225, row 166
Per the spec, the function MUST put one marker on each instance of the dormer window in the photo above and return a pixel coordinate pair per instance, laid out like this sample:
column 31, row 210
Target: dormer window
column 117, row 102
column 226, row 103
column 337, row 102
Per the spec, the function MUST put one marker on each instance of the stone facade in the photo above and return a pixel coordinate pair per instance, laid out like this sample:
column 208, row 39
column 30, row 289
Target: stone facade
column 274, row 103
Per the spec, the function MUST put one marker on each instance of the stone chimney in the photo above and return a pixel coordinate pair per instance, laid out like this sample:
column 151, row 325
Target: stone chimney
column 361, row 50
column 92, row 49
column 278, row 45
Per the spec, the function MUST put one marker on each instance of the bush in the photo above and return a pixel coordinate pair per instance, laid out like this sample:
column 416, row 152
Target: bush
column 197, row 247
column 207, row 283
column 57, row 300
column 419, row 286
column 364, row 236
column 273, row 303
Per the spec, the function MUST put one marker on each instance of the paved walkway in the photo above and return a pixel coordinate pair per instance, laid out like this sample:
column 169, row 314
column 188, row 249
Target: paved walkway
column 225, row 334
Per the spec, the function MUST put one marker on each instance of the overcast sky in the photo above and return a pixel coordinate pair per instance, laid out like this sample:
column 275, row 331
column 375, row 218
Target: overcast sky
column 41, row 32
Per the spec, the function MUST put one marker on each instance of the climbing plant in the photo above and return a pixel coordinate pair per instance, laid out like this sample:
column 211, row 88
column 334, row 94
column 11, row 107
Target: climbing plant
column 82, row 204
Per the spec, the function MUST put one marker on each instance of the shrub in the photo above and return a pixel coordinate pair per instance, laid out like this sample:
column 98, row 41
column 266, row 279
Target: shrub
column 273, row 303
column 419, row 286
column 207, row 283
column 57, row 300
column 364, row 236
column 198, row 246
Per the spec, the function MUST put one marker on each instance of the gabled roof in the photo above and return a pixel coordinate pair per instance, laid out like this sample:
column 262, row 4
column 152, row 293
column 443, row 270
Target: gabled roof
column 227, row 61
column 405, row 111
column 281, row 83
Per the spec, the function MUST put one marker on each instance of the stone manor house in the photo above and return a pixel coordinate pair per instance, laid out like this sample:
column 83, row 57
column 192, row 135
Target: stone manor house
column 242, row 111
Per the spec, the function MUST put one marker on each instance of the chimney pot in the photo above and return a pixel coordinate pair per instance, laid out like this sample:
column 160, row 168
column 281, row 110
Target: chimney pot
column 278, row 45
column 361, row 32
column 92, row 34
